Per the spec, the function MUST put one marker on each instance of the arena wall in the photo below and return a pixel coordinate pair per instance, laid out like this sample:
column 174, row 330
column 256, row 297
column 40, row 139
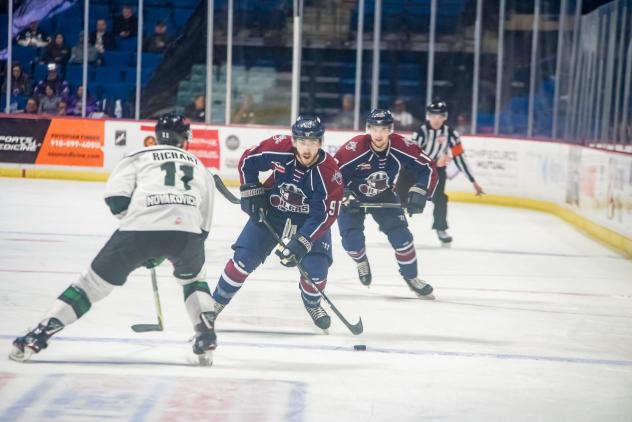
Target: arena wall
column 589, row 188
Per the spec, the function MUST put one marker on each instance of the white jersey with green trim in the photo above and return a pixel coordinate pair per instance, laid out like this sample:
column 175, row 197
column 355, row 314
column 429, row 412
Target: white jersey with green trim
column 169, row 188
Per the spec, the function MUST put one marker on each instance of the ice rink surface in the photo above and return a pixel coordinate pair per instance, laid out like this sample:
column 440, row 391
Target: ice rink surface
column 533, row 321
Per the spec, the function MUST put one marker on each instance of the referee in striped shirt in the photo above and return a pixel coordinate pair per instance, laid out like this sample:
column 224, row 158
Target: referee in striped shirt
column 442, row 145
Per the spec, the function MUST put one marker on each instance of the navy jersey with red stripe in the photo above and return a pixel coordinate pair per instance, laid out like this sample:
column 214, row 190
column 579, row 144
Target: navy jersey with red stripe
column 369, row 173
column 310, row 196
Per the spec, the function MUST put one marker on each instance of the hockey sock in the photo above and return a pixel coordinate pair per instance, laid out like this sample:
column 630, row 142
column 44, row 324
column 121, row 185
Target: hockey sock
column 407, row 259
column 358, row 256
column 78, row 298
column 310, row 296
column 71, row 305
column 229, row 282
column 197, row 299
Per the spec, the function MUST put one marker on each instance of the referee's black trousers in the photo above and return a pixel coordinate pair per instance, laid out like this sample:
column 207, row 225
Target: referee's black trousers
column 406, row 179
column 440, row 200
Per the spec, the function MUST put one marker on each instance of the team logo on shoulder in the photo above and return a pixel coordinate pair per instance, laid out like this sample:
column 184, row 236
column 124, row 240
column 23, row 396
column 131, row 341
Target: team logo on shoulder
column 376, row 183
column 278, row 138
column 337, row 177
column 276, row 166
column 409, row 142
column 352, row 145
column 290, row 198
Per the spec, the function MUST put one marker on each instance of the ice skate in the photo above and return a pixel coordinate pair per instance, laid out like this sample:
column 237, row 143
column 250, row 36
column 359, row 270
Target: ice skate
column 205, row 340
column 445, row 238
column 364, row 272
column 34, row 341
column 319, row 316
column 420, row 287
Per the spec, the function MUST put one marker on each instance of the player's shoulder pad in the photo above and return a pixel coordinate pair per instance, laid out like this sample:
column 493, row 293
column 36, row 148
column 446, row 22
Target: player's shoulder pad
column 402, row 144
column 329, row 170
column 277, row 143
column 352, row 148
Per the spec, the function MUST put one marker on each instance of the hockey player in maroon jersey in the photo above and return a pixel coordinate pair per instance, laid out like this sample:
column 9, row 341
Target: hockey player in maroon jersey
column 301, row 200
column 370, row 164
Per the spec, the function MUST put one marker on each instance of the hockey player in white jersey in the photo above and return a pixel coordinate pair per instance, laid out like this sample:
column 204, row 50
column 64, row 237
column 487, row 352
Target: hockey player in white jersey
column 163, row 196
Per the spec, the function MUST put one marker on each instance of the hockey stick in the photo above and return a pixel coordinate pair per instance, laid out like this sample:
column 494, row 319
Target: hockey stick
column 143, row 328
column 378, row 205
column 221, row 187
column 354, row 328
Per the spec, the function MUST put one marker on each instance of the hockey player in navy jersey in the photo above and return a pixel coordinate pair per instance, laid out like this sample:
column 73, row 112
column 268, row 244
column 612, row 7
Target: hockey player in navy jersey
column 370, row 164
column 163, row 196
column 301, row 199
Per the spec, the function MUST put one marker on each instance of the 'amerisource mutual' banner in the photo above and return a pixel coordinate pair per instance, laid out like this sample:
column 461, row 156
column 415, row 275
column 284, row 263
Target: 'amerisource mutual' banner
column 65, row 142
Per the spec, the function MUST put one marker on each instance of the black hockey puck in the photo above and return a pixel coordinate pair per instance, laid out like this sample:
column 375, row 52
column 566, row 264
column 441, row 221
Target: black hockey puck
column 359, row 347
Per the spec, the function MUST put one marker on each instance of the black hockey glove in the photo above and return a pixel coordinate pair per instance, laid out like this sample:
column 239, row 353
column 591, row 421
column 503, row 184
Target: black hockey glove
column 350, row 203
column 416, row 200
column 253, row 198
column 294, row 250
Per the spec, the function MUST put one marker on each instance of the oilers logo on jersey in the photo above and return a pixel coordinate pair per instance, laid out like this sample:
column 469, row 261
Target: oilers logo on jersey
column 291, row 198
column 375, row 184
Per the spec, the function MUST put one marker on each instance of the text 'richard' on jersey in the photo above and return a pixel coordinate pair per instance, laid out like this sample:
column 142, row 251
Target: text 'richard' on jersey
column 168, row 189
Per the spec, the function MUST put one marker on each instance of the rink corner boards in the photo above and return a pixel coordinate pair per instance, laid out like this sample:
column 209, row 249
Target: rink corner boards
column 608, row 237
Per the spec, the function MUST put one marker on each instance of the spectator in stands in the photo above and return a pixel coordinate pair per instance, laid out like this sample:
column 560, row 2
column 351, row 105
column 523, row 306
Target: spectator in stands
column 246, row 112
column 158, row 41
column 74, row 103
column 344, row 120
column 49, row 103
column 76, row 55
column 126, row 24
column 101, row 38
column 57, row 51
column 62, row 108
column 33, row 37
column 403, row 119
column 196, row 111
column 60, row 86
column 20, row 81
column 31, row 106
column 462, row 124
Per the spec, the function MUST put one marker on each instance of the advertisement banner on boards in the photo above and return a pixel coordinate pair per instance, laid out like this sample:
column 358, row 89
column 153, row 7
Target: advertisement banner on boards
column 73, row 142
column 21, row 139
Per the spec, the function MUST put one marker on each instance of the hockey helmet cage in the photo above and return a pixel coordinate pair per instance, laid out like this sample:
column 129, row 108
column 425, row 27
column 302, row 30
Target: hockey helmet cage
column 308, row 126
column 172, row 129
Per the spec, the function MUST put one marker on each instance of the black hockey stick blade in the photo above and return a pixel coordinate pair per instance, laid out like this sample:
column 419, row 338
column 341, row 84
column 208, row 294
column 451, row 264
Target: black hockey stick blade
column 221, row 187
column 144, row 328
column 356, row 328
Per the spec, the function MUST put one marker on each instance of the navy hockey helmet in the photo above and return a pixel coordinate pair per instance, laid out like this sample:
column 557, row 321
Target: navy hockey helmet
column 437, row 107
column 380, row 117
column 308, row 126
column 172, row 129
